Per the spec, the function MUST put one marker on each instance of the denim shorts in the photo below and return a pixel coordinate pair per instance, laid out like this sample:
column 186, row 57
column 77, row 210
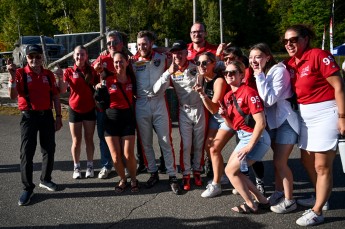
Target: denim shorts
column 216, row 122
column 283, row 134
column 260, row 148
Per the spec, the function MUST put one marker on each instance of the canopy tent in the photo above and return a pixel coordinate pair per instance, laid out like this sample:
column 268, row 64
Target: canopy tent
column 339, row 50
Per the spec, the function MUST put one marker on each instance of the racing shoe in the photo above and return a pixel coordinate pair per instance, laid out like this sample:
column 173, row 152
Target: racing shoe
column 174, row 185
column 197, row 179
column 186, row 182
column 154, row 178
column 310, row 202
column 284, row 206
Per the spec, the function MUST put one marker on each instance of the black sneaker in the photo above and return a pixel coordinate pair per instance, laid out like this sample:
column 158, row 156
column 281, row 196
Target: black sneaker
column 261, row 188
column 49, row 185
column 154, row 178
column 141, row 169
column 175, row 187
column 25, row 198
column 208, row 168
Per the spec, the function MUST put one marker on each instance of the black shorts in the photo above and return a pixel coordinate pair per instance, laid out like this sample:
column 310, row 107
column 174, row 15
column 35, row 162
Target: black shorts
column 75, row 117
column 119, row 122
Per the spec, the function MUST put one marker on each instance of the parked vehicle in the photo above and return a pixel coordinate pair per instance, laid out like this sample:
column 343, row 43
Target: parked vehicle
column 54, row 51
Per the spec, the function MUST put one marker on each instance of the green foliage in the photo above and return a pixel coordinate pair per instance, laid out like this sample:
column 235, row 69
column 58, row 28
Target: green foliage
column 245, row 22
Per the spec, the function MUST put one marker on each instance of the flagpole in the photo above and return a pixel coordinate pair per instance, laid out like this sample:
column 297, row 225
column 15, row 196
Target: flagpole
column 323, row 37
column 331, row 29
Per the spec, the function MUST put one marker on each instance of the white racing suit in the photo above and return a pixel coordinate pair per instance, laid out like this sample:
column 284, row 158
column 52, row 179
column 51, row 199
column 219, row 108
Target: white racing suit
column 192, row 116
column 152, row 112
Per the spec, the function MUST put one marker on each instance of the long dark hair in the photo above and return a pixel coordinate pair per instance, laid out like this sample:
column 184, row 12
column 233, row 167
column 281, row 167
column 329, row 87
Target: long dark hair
column 263, row 47
column 129, row 71
column 303, row 31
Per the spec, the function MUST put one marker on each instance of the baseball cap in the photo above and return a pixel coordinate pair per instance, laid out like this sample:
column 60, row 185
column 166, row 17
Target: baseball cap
column 33, row 49
column 178, row 46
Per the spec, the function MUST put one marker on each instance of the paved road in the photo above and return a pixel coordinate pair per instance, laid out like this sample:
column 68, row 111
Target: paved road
column 92, row 203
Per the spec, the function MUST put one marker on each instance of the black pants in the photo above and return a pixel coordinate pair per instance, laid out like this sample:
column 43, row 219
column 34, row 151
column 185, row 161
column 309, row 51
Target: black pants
column 33, row 122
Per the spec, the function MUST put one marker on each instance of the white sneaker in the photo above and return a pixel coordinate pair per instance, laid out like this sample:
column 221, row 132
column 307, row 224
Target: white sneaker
column 309, row 218
column 104, row 173
column 211, row 191
column 275, row 198
column 310, row 202
column 284, row 206
column 77, row 173
column 89, row 172
column 235, row 192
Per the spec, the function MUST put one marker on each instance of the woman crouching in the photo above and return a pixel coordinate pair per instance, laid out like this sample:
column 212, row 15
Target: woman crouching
column 254, row 140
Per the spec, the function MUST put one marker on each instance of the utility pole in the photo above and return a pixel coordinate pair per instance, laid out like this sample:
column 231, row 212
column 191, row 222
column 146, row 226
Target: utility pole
column 102, row 21
column 194, row 11
column 221, row 21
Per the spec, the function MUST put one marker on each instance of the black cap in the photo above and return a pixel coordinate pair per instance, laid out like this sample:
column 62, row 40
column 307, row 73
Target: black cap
column 178, row 46
column 33, row 49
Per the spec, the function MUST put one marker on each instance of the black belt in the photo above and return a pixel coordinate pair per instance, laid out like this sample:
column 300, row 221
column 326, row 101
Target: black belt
column 36, row 112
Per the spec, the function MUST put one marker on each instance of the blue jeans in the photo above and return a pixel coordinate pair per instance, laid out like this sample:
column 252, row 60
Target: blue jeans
column 106, row 160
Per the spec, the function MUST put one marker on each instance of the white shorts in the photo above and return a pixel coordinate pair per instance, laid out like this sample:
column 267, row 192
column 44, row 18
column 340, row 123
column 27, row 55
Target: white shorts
column 319, row 131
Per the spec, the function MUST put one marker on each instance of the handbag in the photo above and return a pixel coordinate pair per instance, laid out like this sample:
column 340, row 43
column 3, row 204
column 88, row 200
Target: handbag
column 101, row 95
column 248, row 118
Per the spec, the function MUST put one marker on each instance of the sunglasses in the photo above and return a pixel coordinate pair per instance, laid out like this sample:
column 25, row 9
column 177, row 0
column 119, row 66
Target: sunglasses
column 203, row 63
column 37, row 57
column 293, row 40
column 228, row 58
column 231, row 73
column 112, row 43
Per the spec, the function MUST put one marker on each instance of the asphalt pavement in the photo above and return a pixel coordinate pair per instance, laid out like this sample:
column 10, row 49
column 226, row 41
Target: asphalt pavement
column 93, row 203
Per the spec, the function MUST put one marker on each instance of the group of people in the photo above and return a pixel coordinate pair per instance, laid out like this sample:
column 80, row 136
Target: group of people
column 221, row 94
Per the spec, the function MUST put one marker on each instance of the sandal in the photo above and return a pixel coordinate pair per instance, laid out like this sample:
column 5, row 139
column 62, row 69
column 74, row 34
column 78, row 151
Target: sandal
column 121, row 186
column 244, row 209
column 135, row 185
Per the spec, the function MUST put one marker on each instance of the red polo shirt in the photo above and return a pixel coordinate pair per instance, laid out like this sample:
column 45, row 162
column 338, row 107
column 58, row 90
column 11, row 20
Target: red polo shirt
column 117, row 99
column 310, row 74
column 38, row 87
column 81, row 96
column 248, row 100
column 192, row 53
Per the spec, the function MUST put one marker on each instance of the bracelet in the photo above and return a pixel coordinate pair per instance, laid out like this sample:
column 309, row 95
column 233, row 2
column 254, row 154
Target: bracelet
column 341, row 115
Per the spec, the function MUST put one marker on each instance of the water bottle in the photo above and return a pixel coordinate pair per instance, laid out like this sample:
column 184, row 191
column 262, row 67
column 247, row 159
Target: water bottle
column 244, row 165
column 341, row 147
